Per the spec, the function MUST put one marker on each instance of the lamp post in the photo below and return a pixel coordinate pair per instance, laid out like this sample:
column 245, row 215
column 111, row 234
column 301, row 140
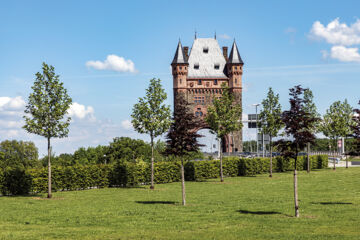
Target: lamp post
column 257, row 140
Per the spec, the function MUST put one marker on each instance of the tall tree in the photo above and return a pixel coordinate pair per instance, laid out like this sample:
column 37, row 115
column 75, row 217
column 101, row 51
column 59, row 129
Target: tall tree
column 310, row 107
column 46, row 109
column 182, row 136
column 337, row 122
column 223, row 117
column 19, row 154
column 297, row 124
column 151, row 116
column 348, row 115
column 270, row 119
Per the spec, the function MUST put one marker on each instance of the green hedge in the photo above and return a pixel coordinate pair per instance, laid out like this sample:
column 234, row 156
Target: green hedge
column 124, row 174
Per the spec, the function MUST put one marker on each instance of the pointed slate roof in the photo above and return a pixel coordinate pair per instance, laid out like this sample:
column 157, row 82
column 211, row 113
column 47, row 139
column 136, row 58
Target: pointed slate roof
column 234, row 55
column 179, row 55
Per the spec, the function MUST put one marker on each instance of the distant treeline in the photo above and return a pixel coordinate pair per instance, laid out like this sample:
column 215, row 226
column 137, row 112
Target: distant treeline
column 25, row 154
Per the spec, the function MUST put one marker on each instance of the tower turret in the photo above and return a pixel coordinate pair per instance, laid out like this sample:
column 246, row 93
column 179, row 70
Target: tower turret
column 234, row 68
column 179, row 69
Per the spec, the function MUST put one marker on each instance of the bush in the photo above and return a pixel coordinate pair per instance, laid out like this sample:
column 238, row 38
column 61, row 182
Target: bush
column 16, row 181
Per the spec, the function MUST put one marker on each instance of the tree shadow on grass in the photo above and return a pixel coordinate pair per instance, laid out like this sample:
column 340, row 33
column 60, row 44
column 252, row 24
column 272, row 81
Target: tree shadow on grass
column 258, row 212
column 156, row 202
column 332, row 203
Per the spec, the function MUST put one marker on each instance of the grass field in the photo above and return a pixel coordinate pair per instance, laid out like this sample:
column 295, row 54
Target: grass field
column 240, row 208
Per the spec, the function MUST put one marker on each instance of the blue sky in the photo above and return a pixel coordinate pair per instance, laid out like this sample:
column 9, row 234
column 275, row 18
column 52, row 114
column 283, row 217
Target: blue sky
column 313, row 43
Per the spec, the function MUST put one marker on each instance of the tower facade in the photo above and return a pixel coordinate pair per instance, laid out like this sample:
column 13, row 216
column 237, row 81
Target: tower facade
column 199, row 74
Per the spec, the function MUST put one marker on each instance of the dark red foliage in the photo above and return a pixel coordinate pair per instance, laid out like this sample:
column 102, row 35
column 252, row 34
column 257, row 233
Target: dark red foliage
column 356, row 128
column 297, row 121
column 182, row 136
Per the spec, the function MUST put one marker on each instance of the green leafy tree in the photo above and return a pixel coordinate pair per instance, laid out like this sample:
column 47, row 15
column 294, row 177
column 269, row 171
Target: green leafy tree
column 127, row 149
column 18, row 154
column 270, row 119
column 310, row 107
column 46, row 109
column 151, row 116
column 223, row 117
column 337, row 122
column 182, row 137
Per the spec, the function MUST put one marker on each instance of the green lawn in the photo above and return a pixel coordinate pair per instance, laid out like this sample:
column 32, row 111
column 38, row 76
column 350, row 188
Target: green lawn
column 240, row 208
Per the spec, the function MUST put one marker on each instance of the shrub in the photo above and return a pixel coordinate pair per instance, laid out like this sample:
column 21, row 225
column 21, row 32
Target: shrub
column 16, row 181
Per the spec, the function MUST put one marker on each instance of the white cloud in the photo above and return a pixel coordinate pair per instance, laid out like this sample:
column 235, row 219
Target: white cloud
column 114, row 63
column 337, row 33
column 224, row 36
column 80, row 111
column 7, row 103
column 345, row 54
column 126, row 124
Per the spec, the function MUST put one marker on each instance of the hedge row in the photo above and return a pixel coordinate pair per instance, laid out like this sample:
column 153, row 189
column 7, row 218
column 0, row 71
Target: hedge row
column 16, row 181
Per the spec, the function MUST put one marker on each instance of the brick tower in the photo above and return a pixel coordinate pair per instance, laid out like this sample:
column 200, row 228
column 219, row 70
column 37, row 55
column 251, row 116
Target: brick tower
column 199, row 75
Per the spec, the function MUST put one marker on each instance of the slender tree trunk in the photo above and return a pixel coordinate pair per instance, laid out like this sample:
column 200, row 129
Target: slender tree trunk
column 49, row 169
column 183, row 183
column 152, row 163
column 335, row 155
column 347, row 164
column 297, row 214
column 270, row 156
column 308, row 157
column 221, row 163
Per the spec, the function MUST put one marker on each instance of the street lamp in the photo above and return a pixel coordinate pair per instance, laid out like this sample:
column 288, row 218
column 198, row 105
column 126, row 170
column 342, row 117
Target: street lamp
column 257, row 140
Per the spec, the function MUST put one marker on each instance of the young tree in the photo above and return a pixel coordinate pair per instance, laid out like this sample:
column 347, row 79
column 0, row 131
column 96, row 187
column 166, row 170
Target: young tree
column 337, row 122
column 310, row 107
column 223, row 117
column 297, row 124
column 151, row 116
column 46, row 109
column 270, row 119
column 182, row 136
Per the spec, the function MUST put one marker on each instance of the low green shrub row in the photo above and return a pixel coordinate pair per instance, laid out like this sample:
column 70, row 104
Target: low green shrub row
column 17, row 181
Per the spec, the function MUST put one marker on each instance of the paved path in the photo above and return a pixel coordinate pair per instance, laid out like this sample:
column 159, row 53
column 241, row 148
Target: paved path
column 343, row 164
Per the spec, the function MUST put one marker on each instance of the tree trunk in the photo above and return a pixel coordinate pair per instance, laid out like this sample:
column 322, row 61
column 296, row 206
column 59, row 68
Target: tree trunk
column 296, row 188
column 270, row 143
column 183, row 183
column 49, row 170
column 308, row 158
column 152, row 163
column 221, row 163
column 347, row 165
column 334, row 155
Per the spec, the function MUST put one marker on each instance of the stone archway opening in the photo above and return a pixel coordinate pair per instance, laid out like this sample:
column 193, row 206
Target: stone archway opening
column 210, row 142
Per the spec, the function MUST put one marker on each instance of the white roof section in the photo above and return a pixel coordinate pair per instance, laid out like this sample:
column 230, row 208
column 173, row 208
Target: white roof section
column 206, row 53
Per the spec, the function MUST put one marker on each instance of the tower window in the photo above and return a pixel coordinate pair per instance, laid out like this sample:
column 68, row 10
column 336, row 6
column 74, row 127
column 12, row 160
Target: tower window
column 199, row 82
column 196, row 66
column 235, row 67
column 180, row 80
column 215, row 82
column 199, row 100
column 217, row 66
column 180, row 67
column 235, row 80
column 205, row 50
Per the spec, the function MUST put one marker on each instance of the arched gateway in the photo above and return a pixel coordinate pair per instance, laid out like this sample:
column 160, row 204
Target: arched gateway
column 199, row 75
